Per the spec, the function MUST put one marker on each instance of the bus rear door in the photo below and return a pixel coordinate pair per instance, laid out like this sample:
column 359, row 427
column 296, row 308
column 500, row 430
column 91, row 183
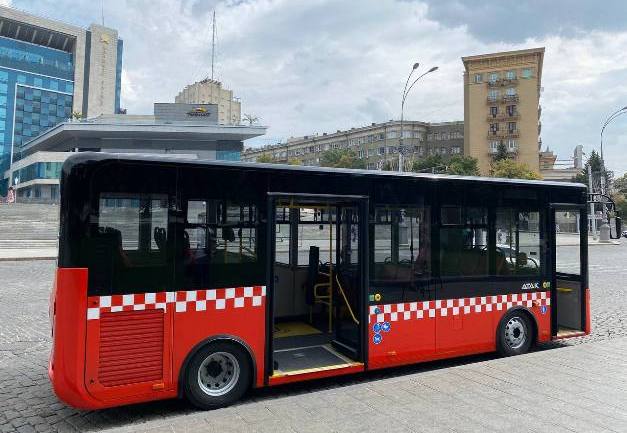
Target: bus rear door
column 568, row 235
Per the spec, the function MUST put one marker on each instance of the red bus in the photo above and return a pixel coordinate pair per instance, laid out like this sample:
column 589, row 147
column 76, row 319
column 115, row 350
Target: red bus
column 203, row 279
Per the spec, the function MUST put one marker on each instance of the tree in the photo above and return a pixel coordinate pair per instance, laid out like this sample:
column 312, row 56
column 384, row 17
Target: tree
column 432, row 164
column 596, row 167
column 341, row 158
column 458, row 165
column 620, row 185
column 508, row 168
column 501, row 153
column 250, row 118
column 265, row 158
column 463, row 166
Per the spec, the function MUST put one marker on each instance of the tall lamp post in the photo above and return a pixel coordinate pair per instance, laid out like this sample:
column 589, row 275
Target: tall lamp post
column 609, row 120
column 406, row 91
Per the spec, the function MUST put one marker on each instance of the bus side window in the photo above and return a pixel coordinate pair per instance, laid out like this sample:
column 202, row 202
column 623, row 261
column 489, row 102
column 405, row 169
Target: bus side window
column 218, row 248
column 517, row 242
column 401, row 253
column 463, row 241
column 126, row 248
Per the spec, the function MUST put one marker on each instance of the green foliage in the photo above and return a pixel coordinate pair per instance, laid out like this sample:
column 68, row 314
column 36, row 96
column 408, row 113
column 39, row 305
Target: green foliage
column 341, row 158
column 596, row 167
column 265, row 158
column 501, row 153
column 620, row 185
column 508, row 168
column 457, row 164
column 430, row 164
column 463, row 166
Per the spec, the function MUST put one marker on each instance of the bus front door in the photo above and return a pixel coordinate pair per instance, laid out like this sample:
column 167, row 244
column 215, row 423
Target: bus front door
column 569, row 288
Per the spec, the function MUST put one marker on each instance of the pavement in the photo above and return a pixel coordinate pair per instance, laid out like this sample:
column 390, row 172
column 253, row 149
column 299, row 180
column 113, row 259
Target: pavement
column 13, row 254
column 575, row 385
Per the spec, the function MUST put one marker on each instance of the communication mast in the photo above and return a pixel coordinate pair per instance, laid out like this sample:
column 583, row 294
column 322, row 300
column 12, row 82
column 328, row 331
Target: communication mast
column 213, row 44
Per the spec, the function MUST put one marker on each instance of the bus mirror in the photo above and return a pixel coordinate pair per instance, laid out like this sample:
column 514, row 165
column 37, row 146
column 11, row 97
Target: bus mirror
column 618, row 227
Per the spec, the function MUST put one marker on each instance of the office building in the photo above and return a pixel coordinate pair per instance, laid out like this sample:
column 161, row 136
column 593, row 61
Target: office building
column 49, row 70
column 501, row 106
column 377, row 144
column 180, row 130
column 209, row 91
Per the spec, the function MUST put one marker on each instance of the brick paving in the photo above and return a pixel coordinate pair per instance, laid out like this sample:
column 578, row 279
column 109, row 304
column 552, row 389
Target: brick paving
column 556, row 388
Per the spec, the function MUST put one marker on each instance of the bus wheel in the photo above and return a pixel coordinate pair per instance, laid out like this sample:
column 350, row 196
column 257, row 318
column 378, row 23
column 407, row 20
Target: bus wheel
column 217, row 375
column 514, row 334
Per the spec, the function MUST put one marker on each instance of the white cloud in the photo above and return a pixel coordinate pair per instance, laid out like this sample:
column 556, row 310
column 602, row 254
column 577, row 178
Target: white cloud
column 321, row 65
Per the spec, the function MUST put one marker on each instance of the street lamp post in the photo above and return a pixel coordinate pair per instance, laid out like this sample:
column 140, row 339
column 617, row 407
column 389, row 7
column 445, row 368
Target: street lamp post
column 406, row 91
column 609, row 120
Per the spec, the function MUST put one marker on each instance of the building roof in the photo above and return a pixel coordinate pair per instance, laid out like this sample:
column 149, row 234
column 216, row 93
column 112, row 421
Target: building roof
column 501, row 54
column 84, row 157
column 128, row 127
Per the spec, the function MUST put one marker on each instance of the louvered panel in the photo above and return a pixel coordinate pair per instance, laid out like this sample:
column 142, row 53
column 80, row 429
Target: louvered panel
column 131, row 347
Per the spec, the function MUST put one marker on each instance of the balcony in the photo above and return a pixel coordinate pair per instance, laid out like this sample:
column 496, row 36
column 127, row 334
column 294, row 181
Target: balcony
column 510, row 98
column 501, row 82
column 503, row 117
column 499, row 135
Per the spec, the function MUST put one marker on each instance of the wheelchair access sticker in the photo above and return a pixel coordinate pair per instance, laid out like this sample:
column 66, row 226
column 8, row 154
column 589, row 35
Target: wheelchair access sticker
column 543, row 309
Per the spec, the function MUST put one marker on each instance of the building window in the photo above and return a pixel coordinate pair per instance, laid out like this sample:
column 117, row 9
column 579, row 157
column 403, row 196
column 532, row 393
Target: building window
column 512, row 144
column 511, row 127
column 510, row 75
column 493, row 95
column 478, row 78
column 527, row 73
column 494, row 111
column 511, row 110
column 494, row 127
column 456, row 150
column 494, row 146
column 494, row 76
column 382, row 150
column 443, row 150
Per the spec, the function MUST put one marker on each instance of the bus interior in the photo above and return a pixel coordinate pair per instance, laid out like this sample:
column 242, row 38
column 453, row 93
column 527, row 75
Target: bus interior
column 317, row 285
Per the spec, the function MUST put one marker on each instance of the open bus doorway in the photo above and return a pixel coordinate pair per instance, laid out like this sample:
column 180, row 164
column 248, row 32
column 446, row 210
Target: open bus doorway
column 317, row 290
column 569, row 273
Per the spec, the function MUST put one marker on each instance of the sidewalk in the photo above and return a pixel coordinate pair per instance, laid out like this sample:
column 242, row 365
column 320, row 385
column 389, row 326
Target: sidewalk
column 580, row 388
column 11, row 254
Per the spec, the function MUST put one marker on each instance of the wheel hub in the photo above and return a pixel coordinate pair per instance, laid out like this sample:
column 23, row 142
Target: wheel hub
column 218, row 373
column 515, row 333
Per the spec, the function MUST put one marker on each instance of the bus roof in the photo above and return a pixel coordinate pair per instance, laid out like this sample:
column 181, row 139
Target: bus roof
column 86, row 157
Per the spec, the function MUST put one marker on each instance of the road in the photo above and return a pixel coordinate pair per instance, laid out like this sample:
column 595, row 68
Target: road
column 449, row 390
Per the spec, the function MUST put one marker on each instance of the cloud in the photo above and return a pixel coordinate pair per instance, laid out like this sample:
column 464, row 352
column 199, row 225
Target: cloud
column 510, row 21
column 307, row 66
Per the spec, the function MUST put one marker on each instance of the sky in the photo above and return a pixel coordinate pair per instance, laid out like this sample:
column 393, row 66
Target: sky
column 314, row 66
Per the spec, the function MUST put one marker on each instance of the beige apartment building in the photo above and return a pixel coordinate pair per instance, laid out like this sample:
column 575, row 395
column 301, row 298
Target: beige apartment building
column 501, row 106
column 377, row 144
column 209, row 91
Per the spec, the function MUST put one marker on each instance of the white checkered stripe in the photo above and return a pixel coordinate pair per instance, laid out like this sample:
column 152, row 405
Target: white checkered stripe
column 181, row 301
column 455, row 307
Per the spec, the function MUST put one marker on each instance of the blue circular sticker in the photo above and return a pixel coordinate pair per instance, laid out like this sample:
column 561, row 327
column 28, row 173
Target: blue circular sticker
column 377, row 310
column 386, row 326
column 377, row 327
column 377, row 338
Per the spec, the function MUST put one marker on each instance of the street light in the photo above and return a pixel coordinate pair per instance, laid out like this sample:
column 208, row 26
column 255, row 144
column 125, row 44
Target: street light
column 406, row 91
column 611, row 117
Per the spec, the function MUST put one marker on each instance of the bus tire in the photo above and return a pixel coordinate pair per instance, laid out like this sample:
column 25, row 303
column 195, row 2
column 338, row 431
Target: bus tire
column 515, row 333
column 217, row 375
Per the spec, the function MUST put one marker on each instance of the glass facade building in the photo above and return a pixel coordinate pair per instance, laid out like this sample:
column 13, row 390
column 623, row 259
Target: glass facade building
column 36, row 93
